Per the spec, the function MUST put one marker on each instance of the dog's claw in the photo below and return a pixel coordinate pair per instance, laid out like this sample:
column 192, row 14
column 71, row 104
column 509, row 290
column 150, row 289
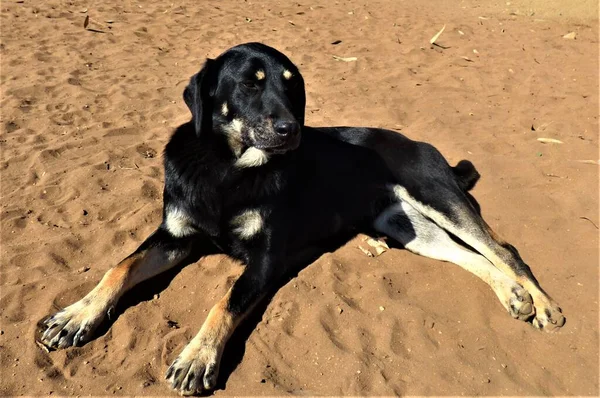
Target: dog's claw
column 550, row 318
column 194, row 373
column 71, row 326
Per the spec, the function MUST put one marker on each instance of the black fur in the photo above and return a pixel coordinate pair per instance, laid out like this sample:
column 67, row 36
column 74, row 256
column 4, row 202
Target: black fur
column 247, row 176
column 466, row 174
column 336, row 181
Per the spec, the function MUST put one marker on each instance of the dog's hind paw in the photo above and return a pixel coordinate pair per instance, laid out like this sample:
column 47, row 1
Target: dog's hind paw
column 548, row 316
column 194, row 371
column 520, row 304
column 514, row 298
column 72, row 326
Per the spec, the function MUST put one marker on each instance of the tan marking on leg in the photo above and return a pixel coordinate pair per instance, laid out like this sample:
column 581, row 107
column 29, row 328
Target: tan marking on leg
column 131, row 271
column 426, row 238
column 115, row 281
column 220, row 323
column 197, row 367
column 548, row 313
column 493, row 234
column 287, row 75
column 491, row 246
column 260, row 74
column 76, row 323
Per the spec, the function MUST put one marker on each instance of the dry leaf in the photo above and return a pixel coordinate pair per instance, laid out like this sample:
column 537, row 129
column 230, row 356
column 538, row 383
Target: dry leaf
column 380, row 246
column 475, row 51
column 344, row 59
column 89, row 24
column 549, row 141
column 484, row 18
column 377, row 242
column 460, row 32
column 597, row 162
column 467, row 59
column 365, row 251
column 570, row 36
column 42, row 346
column 437, row 35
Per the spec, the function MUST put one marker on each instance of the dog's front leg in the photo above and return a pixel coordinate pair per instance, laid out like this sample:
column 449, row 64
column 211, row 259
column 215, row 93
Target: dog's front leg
column 197, row 367
column 75, row 324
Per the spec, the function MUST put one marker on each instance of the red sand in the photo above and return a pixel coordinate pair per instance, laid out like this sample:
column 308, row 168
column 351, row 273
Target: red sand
column 85, row 116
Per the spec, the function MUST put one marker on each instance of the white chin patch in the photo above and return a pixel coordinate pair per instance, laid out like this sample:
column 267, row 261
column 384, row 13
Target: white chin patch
column 252, row 157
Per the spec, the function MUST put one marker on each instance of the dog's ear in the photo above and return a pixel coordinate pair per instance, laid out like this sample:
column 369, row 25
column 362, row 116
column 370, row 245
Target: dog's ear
column 198, row 96
column 300, row 99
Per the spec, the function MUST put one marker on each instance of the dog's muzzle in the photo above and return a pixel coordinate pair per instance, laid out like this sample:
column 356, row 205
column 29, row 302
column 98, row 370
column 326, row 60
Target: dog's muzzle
column 285, row 136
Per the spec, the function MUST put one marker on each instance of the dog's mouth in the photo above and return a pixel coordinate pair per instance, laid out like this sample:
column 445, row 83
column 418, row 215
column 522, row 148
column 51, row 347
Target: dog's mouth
column 263, row 136
column 271, row 142
column 289, row 144
column 274, row 149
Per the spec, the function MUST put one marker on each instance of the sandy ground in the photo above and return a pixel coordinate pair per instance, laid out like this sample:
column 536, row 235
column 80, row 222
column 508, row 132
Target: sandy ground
column 85, row 116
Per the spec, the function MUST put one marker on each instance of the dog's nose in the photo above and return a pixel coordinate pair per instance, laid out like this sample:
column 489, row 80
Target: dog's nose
column 286, row 127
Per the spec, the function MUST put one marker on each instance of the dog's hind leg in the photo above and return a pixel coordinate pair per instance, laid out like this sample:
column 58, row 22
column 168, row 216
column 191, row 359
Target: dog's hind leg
column 422, row 236
column 452, row 211
column 75, row 324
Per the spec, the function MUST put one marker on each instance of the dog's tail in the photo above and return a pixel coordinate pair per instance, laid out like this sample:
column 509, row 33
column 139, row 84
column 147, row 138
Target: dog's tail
column 466, row 175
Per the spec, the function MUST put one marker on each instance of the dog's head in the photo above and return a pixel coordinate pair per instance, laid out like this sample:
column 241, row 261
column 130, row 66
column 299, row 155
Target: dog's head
column 253, row 95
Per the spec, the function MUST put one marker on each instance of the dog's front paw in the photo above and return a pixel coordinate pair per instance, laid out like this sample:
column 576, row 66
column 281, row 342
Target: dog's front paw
column 548, row 316
column 195, row 370
column 72, row 326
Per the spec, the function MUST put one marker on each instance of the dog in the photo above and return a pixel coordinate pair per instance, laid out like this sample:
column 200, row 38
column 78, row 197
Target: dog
column 247, row 175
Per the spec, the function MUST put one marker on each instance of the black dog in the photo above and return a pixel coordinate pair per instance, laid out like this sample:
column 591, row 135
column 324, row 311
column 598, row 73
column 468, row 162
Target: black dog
column 248, row 175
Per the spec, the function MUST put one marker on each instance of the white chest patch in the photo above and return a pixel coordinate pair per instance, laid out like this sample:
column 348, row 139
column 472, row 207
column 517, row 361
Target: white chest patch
column 247, row 224
column 178, row 223
column 252, row 157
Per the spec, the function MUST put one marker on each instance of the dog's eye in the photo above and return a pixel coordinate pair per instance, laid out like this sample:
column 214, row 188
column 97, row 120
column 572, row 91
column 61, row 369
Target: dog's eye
column 250, row 85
